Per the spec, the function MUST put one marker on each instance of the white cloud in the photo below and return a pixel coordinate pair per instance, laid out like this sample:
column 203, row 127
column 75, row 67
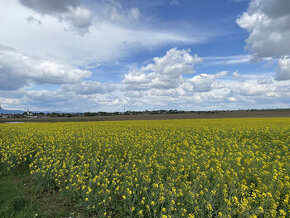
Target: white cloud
column 231, row 95
column 47, row 52
column 175, row 62
column 167, row 82
column 89, row 88
column 283, row 70
column 227, row 60
column 268, row 24
column 236, row 75
column 18, row 70
column 93, row 96
column 255, row 89
column 206, row 82
column 79, row 18
column 164, row 73
column 265, row 81
column 107, row 41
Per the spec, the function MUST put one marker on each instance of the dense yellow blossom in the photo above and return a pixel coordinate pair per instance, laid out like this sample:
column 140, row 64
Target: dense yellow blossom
column 174, row 168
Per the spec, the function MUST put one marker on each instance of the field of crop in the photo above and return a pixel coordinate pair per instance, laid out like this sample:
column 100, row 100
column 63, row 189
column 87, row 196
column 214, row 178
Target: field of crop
column 169, row 168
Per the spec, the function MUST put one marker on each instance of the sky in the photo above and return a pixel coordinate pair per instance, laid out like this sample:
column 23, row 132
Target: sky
column 116, row 55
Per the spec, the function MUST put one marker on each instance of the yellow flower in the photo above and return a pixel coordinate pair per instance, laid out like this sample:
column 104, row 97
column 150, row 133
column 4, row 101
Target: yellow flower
column 282, row 212
column 209, row 207
column 174, row 163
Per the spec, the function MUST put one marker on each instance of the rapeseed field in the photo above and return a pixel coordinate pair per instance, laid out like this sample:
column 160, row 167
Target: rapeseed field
column 173, row 168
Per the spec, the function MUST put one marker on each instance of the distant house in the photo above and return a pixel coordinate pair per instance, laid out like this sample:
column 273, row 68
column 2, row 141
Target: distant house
column 4, row 116
column 29, row 113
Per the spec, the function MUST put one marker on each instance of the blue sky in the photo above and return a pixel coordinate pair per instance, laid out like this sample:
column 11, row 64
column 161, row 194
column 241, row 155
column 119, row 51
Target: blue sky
column 107, row 55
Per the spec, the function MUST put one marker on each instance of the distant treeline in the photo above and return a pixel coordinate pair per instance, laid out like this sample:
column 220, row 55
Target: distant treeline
column 30, row 114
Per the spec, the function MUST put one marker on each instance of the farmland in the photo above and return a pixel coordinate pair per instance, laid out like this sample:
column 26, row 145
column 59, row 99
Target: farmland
column 158, row 168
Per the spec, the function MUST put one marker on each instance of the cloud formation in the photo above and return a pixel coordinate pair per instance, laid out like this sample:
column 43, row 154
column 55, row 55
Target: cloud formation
column 283, row 70
column 47, row 52
column 268, row 22
column 115, row 12
column 72, row 11
column 89, row 88
column 105, row 42
column 164, row 73
column 205, row 82
column 169, row 82
column 18, row 70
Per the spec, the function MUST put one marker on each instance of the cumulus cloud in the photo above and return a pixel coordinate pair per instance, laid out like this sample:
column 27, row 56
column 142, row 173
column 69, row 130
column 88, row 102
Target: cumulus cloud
column 205, row 82
column 169, row 82
column 72, row 11
column 267, row 21
column 164, row 73
column 168, row 79
column 230, row 95
column 18, row 70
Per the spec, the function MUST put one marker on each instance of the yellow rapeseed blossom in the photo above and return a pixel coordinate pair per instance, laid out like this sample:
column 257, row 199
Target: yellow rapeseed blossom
column 171, row 168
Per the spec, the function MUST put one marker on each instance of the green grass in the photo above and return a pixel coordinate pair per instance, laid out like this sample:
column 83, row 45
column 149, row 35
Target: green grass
column 20, row 196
